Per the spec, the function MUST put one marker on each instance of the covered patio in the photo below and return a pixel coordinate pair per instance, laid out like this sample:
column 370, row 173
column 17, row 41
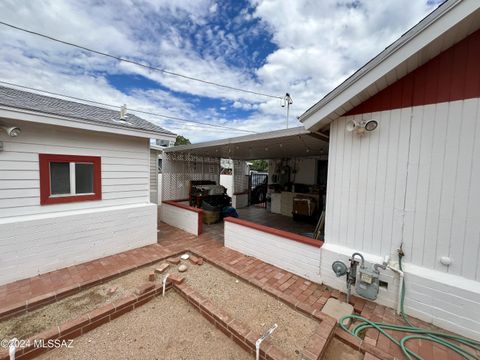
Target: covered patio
column 293, row 156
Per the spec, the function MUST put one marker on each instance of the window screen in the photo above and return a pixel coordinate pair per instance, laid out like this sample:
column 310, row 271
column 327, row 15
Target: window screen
column 59, row 178
column 83, row 178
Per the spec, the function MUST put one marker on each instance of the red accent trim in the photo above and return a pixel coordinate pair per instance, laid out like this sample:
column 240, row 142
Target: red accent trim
column 46, row 159
column 277, row 232
column 189, row 208
column 452, row 75
column 183, row 206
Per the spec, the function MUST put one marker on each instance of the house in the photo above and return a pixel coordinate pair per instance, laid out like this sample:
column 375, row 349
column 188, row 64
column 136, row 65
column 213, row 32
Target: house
column 74, row 183
column 401, row 140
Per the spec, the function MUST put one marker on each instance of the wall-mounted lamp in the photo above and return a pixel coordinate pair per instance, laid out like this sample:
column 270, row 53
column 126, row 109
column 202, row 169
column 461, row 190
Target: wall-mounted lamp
column 12, row 131
column 361, row 126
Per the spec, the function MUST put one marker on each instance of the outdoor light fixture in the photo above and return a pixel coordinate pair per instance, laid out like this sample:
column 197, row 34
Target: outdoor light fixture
column 12, row 131
column 371, row 125
column 361, row 126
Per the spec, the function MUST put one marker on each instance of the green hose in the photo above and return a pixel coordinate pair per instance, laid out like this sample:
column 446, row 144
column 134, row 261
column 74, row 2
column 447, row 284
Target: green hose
column 449, row 341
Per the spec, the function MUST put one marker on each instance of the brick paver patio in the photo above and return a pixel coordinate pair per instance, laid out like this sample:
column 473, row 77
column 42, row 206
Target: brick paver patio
column 303, row 294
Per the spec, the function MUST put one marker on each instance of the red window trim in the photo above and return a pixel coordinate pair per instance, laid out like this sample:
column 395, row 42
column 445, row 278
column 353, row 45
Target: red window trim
column 46, row 159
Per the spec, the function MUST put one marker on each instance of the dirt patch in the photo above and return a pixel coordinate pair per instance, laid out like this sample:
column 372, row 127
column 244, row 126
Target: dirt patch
column 32, row 323
column 254, row 307
column 338, row 350
column 165, row 328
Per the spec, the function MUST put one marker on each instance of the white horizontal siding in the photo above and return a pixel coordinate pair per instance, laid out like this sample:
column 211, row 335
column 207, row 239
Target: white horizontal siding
column 412, row 180
column 299, row 258
column 125, row 168
column 41, row 243
column 153, row 176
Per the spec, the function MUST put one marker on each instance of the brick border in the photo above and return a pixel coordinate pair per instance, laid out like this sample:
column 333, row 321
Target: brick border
column 37, row 302
column 362, row 346
column 233, row 328
column 324, row 332
column 81, row 325
column 287, row 299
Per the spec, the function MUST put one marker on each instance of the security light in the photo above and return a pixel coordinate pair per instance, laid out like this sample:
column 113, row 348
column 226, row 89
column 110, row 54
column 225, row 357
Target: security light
column 12, row 131
column 371, row 125
column 361, row 126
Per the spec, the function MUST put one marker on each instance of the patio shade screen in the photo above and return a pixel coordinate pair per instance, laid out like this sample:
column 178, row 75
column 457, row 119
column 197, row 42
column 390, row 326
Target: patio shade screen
column 178, row 169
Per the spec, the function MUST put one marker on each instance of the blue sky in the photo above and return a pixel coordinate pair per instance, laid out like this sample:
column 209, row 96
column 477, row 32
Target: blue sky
column 303, row 47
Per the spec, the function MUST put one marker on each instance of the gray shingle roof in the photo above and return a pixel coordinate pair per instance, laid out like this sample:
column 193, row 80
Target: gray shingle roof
column 88, row 113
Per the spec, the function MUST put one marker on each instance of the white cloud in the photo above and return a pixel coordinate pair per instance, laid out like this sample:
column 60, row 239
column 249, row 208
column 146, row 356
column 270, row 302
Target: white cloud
column 318, row 44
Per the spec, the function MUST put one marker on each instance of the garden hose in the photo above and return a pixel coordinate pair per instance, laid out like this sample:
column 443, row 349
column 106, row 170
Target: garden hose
column 447, row 340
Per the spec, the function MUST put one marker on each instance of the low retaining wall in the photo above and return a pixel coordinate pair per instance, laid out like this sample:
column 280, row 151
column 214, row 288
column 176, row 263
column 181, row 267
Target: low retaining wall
column 182, row 216
column 295, row 253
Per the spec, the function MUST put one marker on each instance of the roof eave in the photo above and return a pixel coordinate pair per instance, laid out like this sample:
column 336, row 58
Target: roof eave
column 49, row 119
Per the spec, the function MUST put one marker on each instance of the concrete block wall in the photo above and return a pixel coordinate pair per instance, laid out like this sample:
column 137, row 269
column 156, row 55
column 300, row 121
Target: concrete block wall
column 298, row 258
column 182, row 216
column 31, row 245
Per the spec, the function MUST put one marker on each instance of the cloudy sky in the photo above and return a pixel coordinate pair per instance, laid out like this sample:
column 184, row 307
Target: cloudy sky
column 304, row 47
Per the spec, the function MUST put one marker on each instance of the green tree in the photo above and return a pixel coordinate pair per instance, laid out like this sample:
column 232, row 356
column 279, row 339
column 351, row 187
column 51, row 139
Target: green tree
column 180, row 140
column 259, row 165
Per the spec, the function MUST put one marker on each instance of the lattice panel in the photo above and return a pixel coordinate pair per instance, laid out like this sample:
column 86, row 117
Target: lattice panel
column 179, row 169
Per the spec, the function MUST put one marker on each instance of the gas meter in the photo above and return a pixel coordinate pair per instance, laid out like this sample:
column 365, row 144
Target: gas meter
column 368, row 283
column 365, row 278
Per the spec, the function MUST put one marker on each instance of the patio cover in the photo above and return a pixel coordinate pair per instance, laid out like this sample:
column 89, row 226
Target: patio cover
column 287, row 143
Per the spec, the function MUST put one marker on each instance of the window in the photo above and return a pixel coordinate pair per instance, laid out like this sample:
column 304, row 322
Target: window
column 69, row 178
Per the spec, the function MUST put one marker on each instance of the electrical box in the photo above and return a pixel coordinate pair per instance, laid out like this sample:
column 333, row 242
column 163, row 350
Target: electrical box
column 367, row 283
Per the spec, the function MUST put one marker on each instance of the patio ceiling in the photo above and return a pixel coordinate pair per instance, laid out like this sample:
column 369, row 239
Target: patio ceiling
column 288, row 143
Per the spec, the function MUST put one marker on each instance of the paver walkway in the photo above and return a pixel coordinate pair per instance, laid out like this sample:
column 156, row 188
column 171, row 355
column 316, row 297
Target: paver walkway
column 302, row 293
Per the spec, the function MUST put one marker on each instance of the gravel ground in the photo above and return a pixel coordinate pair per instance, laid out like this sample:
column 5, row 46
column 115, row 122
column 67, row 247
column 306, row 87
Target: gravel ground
column 338, row 350
column 59, row 312
column 165, row 328
column 255, row 308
